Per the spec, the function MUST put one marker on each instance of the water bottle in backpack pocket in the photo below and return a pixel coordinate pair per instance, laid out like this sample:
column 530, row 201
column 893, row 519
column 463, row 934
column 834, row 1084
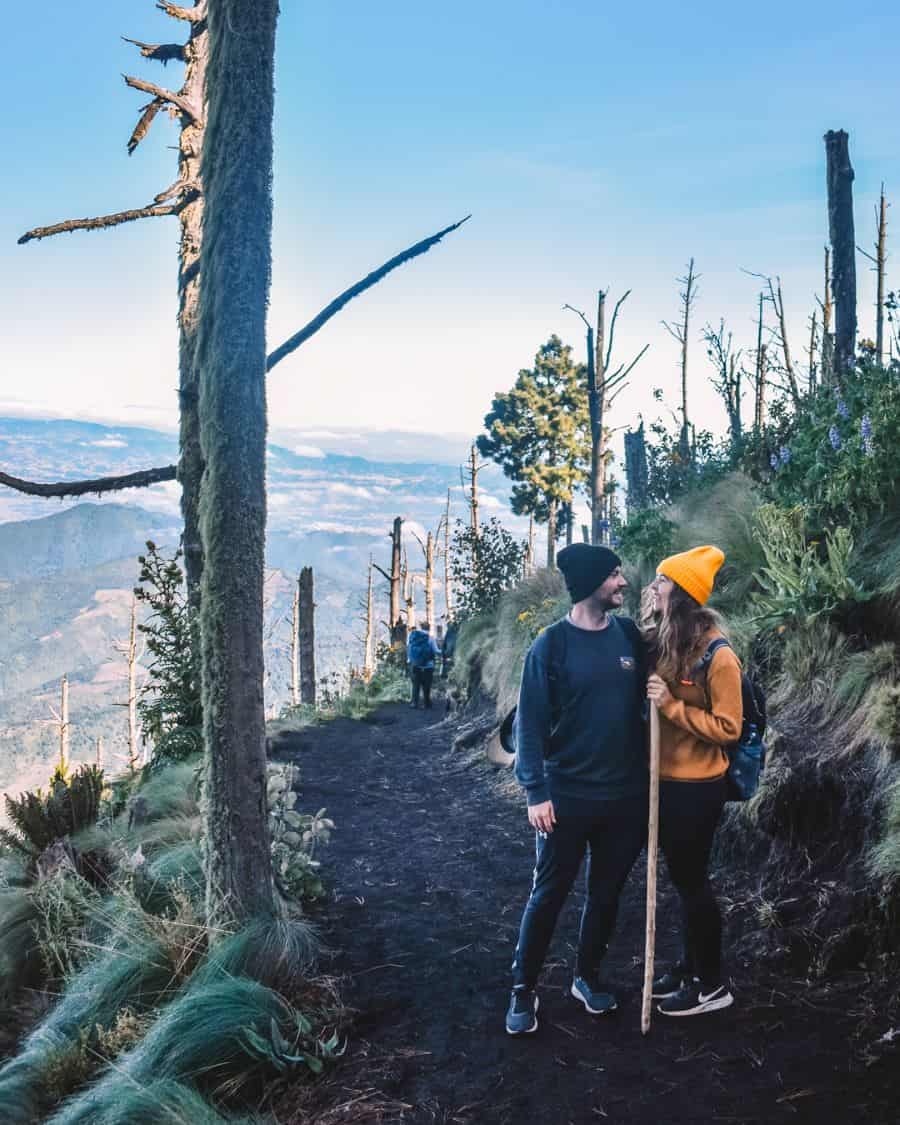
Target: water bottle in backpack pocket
column 746, row 760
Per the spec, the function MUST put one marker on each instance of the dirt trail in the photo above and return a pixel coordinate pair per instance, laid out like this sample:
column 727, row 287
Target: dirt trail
column 428, row 872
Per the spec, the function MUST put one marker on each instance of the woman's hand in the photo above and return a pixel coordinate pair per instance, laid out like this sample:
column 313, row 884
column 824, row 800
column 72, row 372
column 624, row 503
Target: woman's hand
column 658, row 691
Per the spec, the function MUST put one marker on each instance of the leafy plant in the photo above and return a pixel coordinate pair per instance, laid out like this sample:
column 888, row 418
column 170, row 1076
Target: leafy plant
column 38, row 818
column 799, row 583
column 647, row 535
column 295, row 837
column 169, row 705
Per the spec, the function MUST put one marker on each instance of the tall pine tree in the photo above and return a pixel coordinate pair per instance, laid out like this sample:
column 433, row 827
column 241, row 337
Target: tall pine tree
column 539, row 433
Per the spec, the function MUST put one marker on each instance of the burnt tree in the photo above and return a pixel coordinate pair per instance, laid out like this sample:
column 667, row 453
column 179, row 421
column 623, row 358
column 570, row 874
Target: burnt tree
column 306, row 635
column 841, row 233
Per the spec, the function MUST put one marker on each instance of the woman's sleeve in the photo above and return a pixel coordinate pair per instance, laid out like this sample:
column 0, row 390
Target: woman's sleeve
column 722, row 724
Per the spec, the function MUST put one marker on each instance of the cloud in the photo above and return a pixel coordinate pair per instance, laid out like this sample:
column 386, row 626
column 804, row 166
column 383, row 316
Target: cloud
column 111, row 441
column 309, row 451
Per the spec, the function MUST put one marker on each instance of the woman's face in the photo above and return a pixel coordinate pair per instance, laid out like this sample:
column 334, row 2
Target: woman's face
column 662, row 591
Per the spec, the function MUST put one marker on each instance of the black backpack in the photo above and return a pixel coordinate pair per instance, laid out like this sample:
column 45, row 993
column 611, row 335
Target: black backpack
column 555, row 662
column 747, row 756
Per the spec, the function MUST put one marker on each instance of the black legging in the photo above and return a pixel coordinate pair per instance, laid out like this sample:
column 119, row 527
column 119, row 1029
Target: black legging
column 612, row 833
column 689, row 813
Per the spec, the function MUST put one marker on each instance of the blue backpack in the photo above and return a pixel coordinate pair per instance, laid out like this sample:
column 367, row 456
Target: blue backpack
column 420, row 652
column 747, row 756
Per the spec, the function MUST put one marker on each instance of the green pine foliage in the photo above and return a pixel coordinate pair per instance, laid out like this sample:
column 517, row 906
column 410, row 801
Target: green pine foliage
column 169, row 705
column 539, row 431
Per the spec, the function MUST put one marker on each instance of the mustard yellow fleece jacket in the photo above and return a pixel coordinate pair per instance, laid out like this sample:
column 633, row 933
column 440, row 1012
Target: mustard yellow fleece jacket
column 692, row 739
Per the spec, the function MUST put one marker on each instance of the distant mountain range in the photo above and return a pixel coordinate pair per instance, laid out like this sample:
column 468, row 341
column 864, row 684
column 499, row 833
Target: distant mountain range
column 67, row 567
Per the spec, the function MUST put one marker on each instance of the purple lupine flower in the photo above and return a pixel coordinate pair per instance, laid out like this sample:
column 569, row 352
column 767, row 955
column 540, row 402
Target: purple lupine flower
column 616, row 541
column 865, row 427
column 868, row 446
column 784, row 455
column 604, row 525
column 843, row 409
column 834, row 437
column 773, row 460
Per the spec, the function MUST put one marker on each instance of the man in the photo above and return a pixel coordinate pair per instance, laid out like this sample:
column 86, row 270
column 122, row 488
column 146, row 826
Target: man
column 421, row 649
column 581, row 758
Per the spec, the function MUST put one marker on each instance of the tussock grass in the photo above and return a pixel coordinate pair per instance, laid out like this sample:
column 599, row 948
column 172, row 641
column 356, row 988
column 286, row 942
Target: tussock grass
column 723, row 516
column 496, row 644
column 216, row 1034
column 884, row 856
column 21, row 965
column 277, row 952
column 162, row 1102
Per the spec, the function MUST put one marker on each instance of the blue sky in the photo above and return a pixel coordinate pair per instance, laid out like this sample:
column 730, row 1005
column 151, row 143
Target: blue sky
column 595, row 146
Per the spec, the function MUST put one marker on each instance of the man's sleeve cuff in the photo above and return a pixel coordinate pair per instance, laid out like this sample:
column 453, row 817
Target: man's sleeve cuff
column 537, row 796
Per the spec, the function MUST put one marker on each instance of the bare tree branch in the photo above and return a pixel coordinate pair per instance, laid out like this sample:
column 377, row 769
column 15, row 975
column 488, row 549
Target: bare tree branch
column 170, row 96
column 612, row 327
column 367, row 282
column 103, row 221
column 189, row 15
column 142, row 128
column 380, row 571
column 159, row 52
column 572, row 308
column 82, row 487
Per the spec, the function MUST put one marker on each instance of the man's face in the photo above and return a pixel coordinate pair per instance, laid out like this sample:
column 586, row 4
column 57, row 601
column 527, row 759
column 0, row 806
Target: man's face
column 611, row 594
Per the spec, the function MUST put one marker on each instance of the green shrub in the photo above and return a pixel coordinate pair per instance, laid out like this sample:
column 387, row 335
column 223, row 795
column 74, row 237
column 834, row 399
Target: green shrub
column 799, row 583
column 71, row 803
column 295, row 837
column 884, row 858
column 648, row 535
column 483, row 565
column 824, row 459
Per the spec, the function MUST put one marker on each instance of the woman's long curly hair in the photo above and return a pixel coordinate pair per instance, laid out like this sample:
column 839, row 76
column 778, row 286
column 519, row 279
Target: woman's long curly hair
column 674, row 638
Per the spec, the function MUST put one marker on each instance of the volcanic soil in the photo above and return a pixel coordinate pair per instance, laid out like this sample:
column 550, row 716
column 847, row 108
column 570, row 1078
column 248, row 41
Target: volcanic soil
column 427, row 873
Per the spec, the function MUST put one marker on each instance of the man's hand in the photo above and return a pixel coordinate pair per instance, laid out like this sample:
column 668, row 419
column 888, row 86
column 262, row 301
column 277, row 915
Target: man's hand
column 542, row 817
column 658, row 691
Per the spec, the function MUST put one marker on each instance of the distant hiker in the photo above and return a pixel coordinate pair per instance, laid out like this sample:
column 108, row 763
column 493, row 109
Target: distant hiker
column 421, row 649
column 700, row 712
column 582, row 760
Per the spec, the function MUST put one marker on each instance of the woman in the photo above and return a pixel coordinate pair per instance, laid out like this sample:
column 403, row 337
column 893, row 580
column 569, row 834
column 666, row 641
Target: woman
column 700, row 712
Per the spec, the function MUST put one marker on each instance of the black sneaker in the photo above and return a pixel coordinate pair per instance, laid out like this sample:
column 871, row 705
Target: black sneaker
column 693, row 1001
column 521, row 1019
column 669, row 983
column 596, row 999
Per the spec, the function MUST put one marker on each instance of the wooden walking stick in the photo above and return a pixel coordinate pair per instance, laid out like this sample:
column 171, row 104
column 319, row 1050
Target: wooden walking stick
column 652, row 856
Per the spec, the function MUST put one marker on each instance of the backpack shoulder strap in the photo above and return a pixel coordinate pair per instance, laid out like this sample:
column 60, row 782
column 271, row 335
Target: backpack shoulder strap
column 702, row 666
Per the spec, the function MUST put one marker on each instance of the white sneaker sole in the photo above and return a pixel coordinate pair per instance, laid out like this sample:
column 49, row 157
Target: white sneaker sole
column 711, row 1006
column 588, row 1008
column 534, row 1026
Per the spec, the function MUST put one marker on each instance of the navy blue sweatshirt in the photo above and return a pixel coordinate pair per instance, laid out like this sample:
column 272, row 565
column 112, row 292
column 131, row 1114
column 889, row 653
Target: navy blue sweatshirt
column 582, row 736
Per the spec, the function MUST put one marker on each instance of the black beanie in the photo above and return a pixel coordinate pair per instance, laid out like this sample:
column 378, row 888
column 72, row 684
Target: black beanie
column 585, row 568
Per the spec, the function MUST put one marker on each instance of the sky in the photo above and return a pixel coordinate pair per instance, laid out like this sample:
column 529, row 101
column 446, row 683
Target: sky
column 595, row 145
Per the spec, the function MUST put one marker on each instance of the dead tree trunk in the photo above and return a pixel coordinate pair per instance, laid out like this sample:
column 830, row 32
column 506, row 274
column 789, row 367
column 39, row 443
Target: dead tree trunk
column 409, row 594
column 133, row 754
column 448, row 588
column 369, row 651
column 843, row 245
column 472, row 472
column 826, row 367
column 306, row 633
column 879, row 260
column 64, row 725
column 231, row 357
column 761, row 373
column 98, row 756
column 295, row 645
column 551, row 534
column 636, row 473
column 429, row 582
column 601, row 385
column 530, row 559
column 396, row 549
column 680, row 331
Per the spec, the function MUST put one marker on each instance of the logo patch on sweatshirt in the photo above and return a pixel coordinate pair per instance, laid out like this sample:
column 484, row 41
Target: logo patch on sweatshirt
column 627, row 662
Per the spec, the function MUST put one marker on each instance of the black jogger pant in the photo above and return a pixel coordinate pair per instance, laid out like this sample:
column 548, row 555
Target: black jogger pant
column 422, row 679
column 612, row 834
column 689, row 813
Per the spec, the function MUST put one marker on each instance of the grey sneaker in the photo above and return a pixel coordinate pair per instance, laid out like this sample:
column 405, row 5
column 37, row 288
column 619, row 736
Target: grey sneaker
column 521, row 1019
column 596, row 1000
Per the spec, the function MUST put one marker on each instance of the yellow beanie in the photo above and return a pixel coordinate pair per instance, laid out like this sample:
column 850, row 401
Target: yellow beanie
column 694, row 571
